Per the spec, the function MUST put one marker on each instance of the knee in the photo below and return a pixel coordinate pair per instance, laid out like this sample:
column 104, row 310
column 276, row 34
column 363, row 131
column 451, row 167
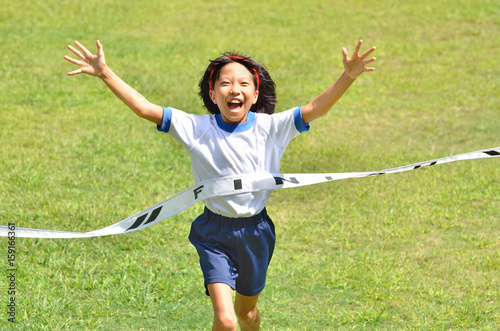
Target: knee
column 252, row 317
column 245, row 315
column 224, row 323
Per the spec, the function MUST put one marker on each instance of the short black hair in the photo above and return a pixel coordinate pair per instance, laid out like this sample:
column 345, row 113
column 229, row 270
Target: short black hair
column 266, row 102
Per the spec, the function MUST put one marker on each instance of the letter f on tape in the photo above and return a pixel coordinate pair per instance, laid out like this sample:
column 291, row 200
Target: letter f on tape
column 229, row 186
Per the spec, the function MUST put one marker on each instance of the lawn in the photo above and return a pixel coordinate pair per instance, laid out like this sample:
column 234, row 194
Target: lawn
column 413, row 251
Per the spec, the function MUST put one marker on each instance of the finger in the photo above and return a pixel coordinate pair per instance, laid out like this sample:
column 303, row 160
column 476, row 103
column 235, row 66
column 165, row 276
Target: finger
column 69, row 59
column 369, row 61
column 358, row 48
column 345, row 54
column 100, row 50
column 83, row 49
column 76, row 52
column 369, row 69
column 368, row 52
column 75, row 72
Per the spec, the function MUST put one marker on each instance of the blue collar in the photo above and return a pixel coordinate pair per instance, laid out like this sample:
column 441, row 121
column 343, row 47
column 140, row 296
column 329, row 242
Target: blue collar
column 228, row 127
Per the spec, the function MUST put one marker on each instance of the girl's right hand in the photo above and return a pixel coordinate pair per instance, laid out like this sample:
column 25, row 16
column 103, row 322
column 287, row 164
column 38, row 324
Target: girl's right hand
column 91, row 64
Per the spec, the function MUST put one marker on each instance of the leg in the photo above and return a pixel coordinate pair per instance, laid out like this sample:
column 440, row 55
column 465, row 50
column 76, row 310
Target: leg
column 247, row 312
column 222, row 302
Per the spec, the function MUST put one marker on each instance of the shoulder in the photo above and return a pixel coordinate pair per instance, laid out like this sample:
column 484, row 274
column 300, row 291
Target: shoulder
column 281, row 120
column 194, row 117
column 194, row 121
column 178, row 120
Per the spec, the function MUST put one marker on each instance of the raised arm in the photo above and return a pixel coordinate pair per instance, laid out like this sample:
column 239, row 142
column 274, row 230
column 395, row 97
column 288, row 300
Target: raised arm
column 95, row 65
column 353, row 68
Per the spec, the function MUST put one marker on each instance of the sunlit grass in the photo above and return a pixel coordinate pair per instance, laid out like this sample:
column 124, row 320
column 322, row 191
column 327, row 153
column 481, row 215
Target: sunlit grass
column 417, row 250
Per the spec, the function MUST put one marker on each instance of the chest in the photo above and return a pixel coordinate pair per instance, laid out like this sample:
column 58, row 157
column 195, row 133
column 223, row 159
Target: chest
column 228, row 153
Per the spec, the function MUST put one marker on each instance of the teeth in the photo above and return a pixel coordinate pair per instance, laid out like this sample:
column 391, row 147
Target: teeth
column 235, row 101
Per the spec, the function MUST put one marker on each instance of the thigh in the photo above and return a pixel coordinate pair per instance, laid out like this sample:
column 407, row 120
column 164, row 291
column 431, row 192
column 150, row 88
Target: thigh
column 216, row 258
column 254, row 256
column 222, row 302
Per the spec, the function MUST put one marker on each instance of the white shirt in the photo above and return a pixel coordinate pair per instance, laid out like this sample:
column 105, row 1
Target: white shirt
column 219, row 149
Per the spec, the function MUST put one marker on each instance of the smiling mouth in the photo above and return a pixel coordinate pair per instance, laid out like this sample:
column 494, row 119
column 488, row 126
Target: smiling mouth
column 235, row 105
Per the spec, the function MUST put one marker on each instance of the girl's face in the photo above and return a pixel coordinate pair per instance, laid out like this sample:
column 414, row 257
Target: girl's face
column 234, row 93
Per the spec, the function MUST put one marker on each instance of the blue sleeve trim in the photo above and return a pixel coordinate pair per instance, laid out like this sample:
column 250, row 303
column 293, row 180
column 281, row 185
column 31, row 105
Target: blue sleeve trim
column 299, row 121
column 166, row 120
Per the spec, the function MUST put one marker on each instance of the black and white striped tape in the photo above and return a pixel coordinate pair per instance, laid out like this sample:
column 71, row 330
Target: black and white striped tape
column 229, row 186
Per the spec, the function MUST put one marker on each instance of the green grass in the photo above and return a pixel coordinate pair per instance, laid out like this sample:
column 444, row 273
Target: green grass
column 412, row 251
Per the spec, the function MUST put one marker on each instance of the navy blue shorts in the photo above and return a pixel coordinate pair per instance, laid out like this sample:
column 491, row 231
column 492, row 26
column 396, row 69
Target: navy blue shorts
column 234, row 251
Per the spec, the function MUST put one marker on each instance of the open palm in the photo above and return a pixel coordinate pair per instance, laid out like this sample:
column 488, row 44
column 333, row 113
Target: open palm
column 91, row 64
column 356, row 64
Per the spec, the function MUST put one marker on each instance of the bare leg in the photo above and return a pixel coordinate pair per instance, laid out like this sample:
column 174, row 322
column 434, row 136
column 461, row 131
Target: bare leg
column 222, row 302
column 247, row 312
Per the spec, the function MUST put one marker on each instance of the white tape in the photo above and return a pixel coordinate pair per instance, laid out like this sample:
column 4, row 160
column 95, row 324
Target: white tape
column 229, row 186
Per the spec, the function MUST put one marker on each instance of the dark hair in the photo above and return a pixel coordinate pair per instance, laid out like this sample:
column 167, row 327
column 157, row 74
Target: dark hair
column 266, row 102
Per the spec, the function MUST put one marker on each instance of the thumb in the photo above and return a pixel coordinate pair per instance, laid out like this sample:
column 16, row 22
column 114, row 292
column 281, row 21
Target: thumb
column 345, row 54
column 100, row 50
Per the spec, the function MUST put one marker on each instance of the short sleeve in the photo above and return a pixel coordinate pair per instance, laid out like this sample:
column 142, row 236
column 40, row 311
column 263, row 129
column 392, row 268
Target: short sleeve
column 299, row 121
column 185, row 128
column 166, row 120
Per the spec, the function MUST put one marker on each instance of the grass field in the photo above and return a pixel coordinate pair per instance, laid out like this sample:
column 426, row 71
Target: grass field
column 413, row 251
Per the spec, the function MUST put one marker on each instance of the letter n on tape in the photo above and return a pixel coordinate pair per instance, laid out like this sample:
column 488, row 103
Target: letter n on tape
column 140, row 219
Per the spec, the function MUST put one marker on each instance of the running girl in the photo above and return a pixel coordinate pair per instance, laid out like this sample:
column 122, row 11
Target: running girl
column 234, row 236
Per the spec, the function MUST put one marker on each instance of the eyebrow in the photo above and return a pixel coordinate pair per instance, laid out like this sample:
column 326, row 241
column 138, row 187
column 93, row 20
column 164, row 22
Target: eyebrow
column 250, row 78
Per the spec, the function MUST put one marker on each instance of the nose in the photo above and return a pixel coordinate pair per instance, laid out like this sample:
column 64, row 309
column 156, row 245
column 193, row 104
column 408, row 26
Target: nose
column 235, row 89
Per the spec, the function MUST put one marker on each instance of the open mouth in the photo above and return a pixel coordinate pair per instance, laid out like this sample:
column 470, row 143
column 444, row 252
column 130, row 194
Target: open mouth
column 235, row 104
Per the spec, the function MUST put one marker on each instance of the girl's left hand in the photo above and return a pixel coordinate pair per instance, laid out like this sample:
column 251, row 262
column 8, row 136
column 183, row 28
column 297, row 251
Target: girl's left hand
column 91, row 64
column 356, row 65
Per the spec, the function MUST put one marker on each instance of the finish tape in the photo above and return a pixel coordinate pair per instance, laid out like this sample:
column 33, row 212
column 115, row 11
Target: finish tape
column 228, row 186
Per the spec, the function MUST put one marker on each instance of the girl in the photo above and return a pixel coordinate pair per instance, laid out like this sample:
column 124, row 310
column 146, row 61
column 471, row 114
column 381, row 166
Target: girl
column 234, row 236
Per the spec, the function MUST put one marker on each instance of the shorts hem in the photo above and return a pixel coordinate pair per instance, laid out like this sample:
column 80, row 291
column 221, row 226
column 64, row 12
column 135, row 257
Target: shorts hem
column 252, row 293
column 221, row 281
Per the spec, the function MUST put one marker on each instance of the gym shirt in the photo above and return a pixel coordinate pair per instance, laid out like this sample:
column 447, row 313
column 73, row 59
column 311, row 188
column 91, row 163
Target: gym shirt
column 220, row 149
